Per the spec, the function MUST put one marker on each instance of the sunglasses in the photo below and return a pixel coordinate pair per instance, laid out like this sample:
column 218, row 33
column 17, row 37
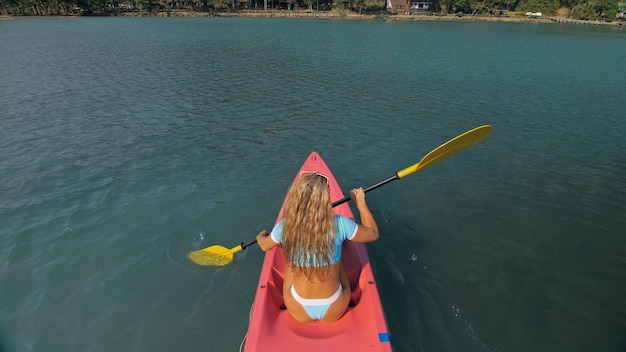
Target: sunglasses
column 318, row 174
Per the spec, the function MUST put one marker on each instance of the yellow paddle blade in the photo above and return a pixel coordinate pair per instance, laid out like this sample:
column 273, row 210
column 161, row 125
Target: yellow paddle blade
column 213, row 256
column 449, row 148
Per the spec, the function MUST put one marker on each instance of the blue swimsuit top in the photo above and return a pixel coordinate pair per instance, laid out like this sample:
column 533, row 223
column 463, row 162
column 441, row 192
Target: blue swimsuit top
column 346, row 230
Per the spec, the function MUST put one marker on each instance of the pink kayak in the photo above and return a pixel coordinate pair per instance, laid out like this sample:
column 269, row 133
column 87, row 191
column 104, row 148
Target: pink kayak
column 363, row 326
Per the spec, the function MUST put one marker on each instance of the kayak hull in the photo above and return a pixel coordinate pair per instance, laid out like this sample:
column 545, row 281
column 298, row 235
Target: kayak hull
column 363, row 326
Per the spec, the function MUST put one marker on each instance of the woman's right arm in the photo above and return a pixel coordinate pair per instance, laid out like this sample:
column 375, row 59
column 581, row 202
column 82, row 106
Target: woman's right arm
column 368, row 230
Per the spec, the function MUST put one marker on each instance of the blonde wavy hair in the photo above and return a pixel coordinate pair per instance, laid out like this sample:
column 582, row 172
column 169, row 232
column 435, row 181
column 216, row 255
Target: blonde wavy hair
column 309, row 227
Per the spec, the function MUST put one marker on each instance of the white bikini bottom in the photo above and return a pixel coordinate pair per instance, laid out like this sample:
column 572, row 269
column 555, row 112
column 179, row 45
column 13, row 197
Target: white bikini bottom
column 316, row 307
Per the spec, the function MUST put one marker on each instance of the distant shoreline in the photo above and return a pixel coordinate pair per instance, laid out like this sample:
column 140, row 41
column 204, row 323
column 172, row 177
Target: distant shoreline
column 344, row 15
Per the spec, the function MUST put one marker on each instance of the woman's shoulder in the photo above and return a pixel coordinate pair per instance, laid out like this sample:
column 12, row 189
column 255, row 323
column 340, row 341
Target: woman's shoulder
column 343, row 218
column 346, row 227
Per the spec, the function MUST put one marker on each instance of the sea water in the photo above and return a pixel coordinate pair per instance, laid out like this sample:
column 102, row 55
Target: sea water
column 126, row 143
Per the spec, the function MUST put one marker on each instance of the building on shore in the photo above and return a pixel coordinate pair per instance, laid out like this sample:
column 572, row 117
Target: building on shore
column 408, row 6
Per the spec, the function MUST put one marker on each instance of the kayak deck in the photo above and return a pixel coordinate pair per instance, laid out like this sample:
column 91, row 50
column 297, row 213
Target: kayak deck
column 363, row 326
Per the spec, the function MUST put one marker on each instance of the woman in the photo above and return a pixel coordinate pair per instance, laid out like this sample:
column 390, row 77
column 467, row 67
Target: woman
column 316, row 286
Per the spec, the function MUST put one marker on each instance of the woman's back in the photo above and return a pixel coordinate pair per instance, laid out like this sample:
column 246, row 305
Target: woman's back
column 316, row 286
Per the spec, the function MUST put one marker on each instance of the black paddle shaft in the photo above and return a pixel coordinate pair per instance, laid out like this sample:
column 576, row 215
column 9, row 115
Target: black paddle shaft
column 340, row 201
column 381, row 183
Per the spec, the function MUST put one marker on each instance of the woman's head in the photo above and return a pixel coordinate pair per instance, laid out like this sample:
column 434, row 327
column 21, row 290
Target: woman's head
column 309, row 226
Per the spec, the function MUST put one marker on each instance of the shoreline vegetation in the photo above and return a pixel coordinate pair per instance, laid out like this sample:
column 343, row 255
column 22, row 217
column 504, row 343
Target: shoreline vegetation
column 339, row 15
column 595, row 12
column 351, row 15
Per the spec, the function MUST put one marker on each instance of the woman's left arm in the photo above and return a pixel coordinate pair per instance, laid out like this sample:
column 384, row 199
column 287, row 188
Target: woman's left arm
column 264, row 241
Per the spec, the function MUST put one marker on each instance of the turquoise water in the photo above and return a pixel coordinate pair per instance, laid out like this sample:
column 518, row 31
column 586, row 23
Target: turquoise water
column 127, row 143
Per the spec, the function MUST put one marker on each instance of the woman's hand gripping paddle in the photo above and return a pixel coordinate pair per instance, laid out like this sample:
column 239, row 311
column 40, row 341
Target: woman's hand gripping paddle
column 220, row 256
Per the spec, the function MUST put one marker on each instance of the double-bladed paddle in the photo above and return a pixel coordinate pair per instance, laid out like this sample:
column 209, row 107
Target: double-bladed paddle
column 218, row 255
